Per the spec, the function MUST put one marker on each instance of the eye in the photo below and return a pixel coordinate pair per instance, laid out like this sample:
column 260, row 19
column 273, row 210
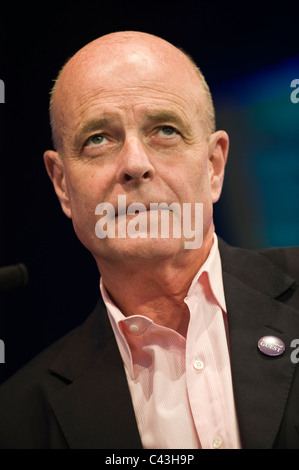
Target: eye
column 167, row 131
column 95, row 140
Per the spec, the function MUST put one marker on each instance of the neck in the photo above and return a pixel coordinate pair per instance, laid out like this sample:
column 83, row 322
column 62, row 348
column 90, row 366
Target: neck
column 156, row 289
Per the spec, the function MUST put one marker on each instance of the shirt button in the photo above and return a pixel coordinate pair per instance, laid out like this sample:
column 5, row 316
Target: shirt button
column 134, row 328
column 198, row 364
column 217, row 442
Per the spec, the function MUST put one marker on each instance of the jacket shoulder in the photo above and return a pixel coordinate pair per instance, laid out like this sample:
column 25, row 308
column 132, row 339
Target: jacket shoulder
column 274, row 271
column 25, row 418
column 287, row 259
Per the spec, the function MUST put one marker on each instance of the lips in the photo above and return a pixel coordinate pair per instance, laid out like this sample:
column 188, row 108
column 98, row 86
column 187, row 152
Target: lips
column 123, row 207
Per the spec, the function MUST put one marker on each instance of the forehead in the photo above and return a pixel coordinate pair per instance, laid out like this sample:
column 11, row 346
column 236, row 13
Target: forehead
column 136, row 78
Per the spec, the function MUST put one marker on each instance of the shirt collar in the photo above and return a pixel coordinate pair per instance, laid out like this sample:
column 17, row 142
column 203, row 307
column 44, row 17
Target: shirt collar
column 212, row 266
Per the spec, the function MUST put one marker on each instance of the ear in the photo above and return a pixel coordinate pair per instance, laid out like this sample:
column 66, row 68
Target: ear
column 55, row 169
column 218, row 151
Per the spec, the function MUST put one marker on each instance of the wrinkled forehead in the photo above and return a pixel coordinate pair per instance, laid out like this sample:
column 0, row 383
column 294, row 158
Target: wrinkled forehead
column 145, row 69
column 108, row 66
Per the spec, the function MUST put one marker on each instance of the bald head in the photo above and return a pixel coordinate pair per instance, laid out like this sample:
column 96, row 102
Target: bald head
column 111, row 56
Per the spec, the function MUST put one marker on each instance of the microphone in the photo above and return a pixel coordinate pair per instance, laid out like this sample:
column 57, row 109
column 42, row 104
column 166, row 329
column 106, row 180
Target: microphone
column 12, row 277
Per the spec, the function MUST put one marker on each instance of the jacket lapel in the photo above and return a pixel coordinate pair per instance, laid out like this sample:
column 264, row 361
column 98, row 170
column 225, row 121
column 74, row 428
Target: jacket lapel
column 261, row 383
column 94, row 410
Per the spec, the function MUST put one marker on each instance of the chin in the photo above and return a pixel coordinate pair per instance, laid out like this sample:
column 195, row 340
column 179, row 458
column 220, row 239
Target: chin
column 135, row 249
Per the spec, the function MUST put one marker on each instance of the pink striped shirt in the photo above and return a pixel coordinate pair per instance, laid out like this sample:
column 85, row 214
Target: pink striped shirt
column 181, row 388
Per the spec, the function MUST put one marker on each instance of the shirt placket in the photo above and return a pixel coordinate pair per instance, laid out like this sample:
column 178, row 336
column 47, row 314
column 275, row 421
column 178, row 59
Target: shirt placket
column 203, row 382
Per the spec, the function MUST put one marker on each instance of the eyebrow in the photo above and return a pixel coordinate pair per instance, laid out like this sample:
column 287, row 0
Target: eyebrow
column 160, row 116
column 91, row 126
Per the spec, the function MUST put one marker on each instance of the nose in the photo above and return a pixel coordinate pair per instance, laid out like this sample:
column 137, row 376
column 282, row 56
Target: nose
column 134, row 163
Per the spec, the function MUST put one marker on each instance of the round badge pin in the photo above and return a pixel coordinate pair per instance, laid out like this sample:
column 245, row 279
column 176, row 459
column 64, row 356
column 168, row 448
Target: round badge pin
column 271, row 346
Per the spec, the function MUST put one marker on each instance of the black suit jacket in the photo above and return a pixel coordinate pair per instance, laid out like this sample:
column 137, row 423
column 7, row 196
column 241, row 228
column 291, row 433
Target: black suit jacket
column 75, row 394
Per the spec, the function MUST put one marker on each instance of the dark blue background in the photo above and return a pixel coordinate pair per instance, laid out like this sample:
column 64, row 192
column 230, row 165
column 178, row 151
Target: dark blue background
column 249, row 56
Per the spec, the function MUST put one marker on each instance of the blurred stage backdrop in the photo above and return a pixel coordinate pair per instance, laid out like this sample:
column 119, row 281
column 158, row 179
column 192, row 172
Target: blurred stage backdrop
column 249, row 56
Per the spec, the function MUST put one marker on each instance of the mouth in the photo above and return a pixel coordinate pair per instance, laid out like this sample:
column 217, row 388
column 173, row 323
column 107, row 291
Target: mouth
column 139, row 207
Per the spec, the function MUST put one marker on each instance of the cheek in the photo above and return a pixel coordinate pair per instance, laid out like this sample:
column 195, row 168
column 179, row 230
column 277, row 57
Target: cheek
column 201, row 173
column 195, row 179
column 86, row 190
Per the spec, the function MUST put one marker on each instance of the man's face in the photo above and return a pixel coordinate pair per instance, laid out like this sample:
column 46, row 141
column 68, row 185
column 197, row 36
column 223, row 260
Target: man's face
column 134, row 127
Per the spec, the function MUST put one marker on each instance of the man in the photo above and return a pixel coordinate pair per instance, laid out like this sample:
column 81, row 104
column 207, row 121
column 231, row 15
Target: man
column 190, row 347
